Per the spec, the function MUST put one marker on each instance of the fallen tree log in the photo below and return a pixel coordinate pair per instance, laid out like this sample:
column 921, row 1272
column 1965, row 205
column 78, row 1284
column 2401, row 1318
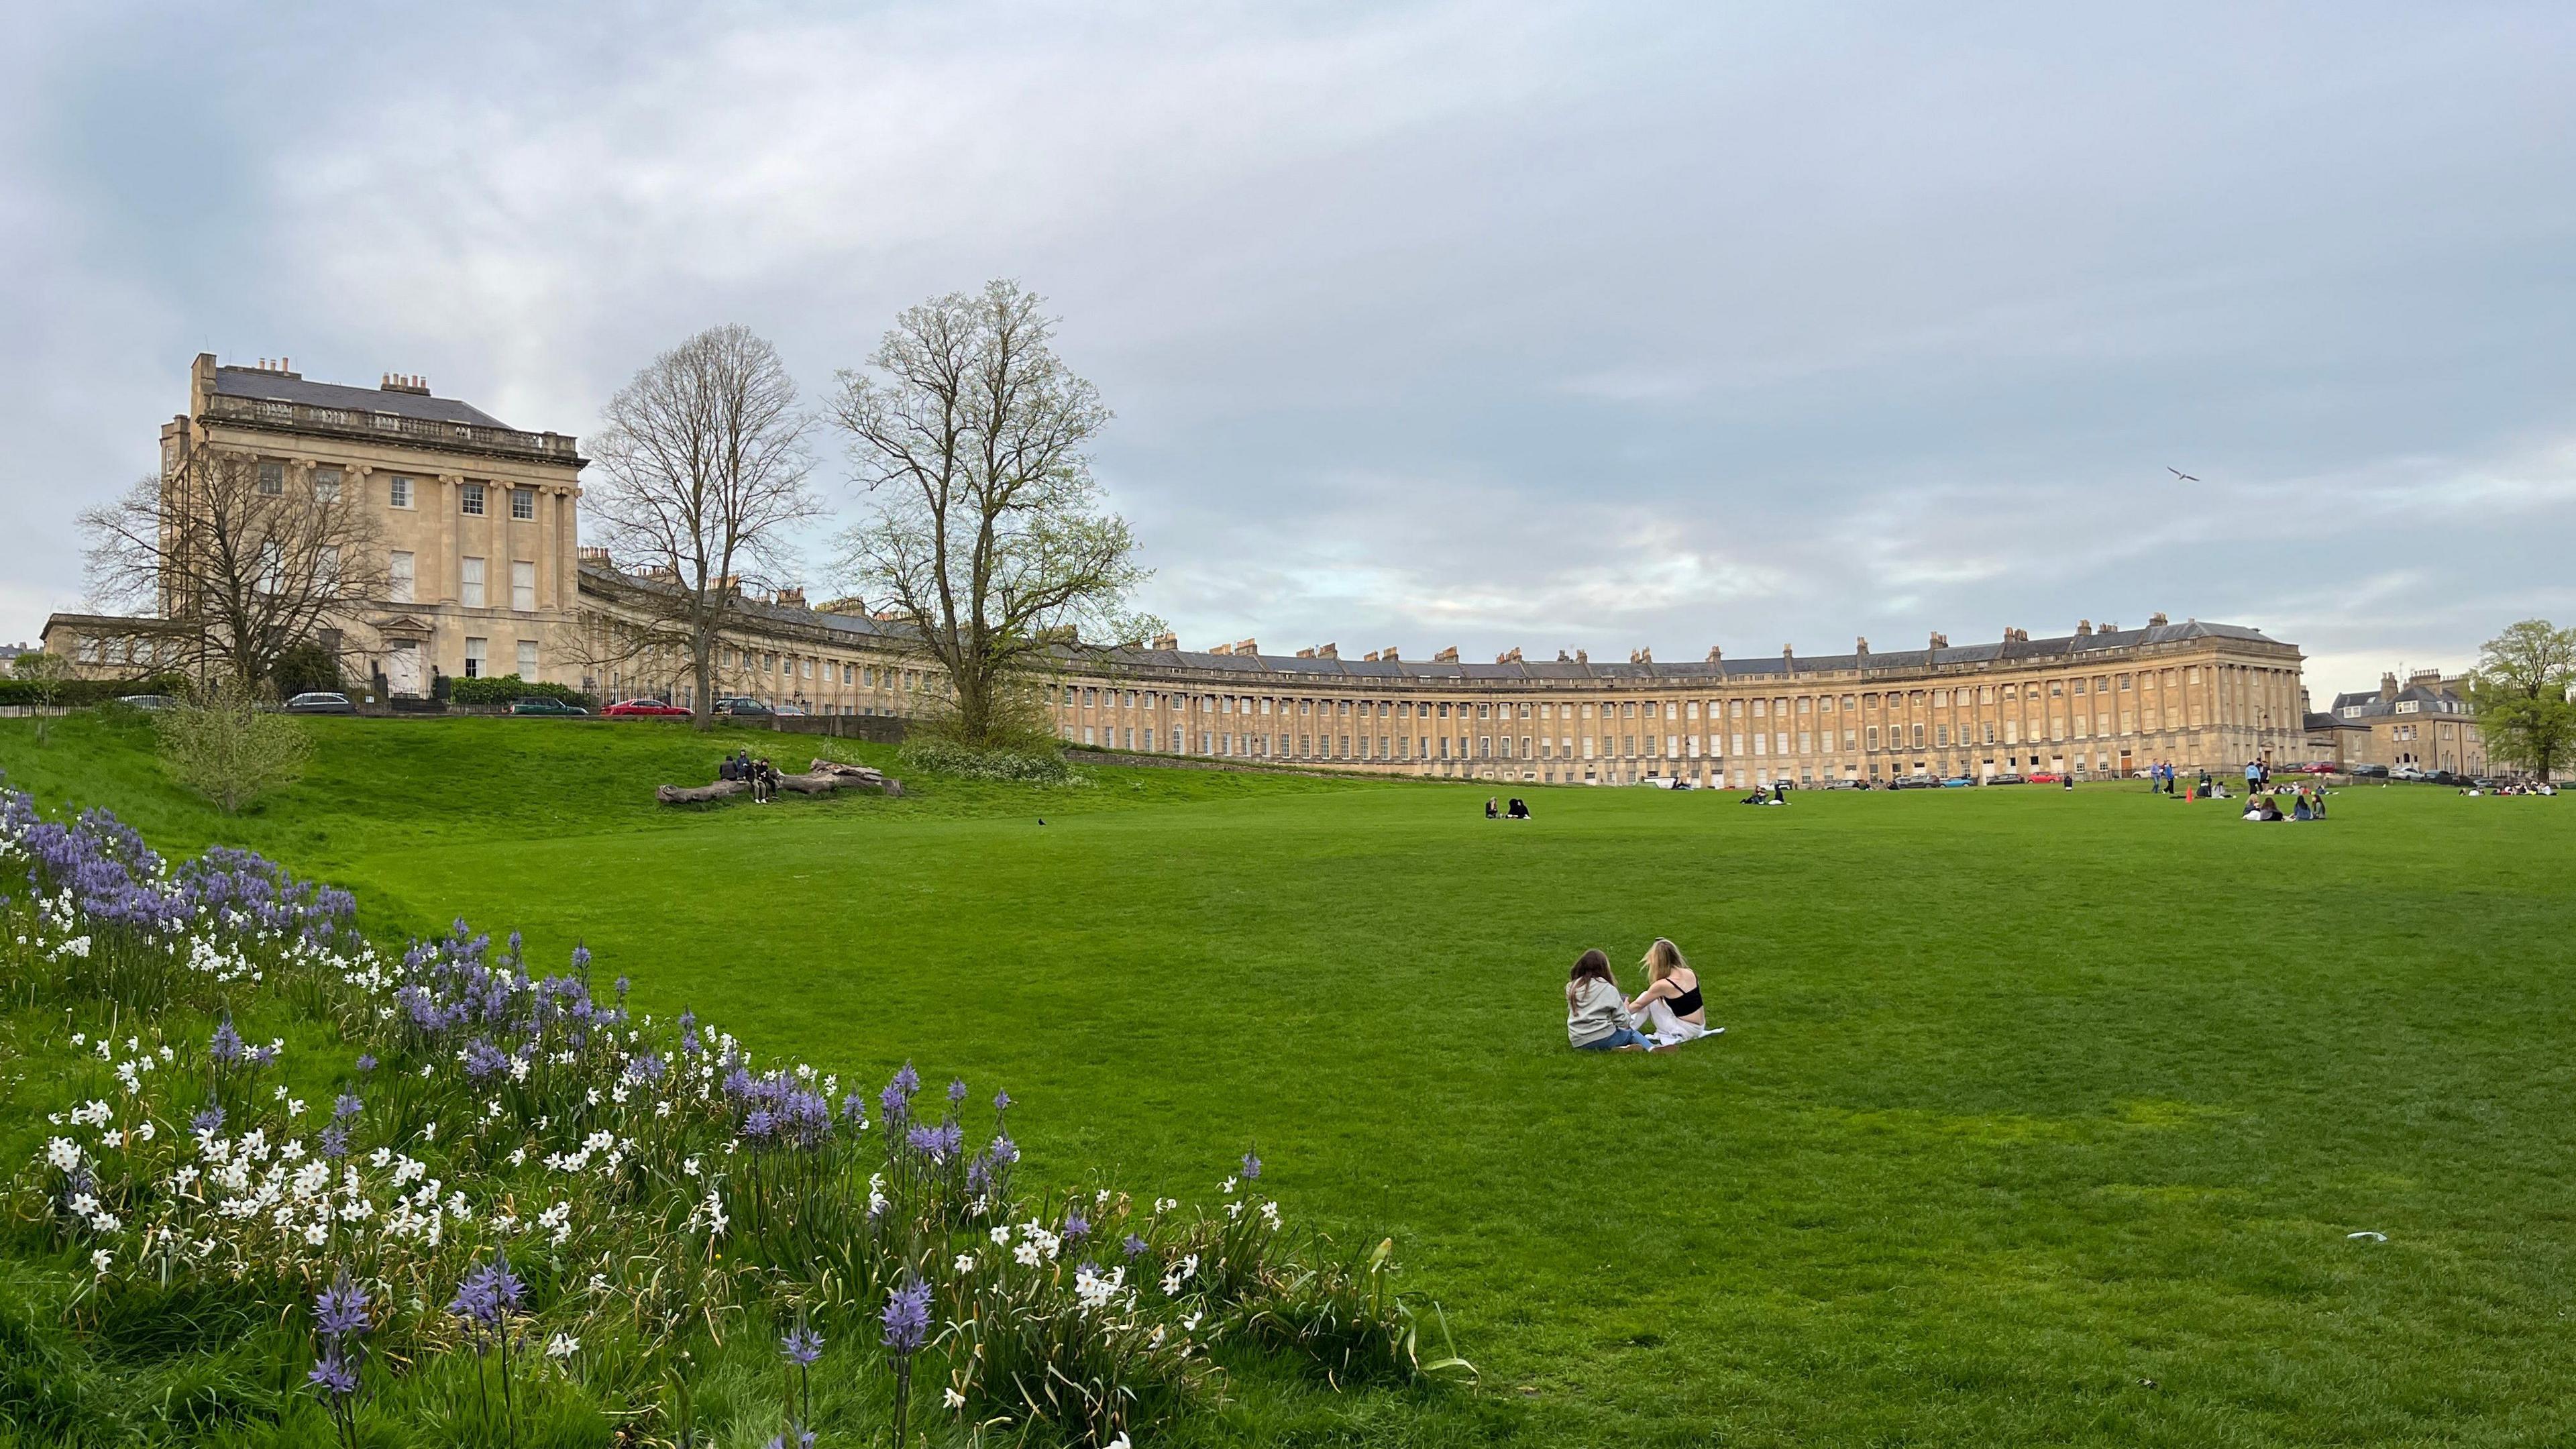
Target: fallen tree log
column 820, row 778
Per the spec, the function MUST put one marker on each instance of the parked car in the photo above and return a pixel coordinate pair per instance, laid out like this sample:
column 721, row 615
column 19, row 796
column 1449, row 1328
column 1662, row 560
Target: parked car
column 2369, row 772
column 1958, row 782
column 739, row 708
column 626, row 708
column 320, row 701
column 145, row 701
column 2407, row 772
column 788, row 709
column 1914, row 782
column 544, row 704
column 2042, row 777
column 2006, row 779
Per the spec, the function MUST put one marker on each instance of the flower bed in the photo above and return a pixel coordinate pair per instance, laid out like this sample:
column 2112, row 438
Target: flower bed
column 468, row 1194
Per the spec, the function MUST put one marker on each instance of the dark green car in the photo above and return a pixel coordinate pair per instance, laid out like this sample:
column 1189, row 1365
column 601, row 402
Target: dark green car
column 539, row 704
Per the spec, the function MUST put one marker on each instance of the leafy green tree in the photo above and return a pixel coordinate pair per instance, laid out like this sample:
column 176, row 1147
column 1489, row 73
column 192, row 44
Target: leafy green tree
column 2520, row 690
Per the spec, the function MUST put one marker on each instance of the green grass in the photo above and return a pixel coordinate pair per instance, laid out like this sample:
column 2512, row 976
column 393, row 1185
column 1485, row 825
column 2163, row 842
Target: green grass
column 2040, row 1117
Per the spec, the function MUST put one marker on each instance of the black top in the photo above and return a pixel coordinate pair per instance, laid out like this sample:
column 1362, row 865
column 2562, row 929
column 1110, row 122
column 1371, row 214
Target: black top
column 1688, row 1002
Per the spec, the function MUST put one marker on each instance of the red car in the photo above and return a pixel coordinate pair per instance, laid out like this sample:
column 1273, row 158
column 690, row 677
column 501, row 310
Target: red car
column 644, row 707
column 2041, row 777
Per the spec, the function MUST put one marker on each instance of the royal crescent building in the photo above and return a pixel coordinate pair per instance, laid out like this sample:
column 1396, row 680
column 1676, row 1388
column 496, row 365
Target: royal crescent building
column 485, row 575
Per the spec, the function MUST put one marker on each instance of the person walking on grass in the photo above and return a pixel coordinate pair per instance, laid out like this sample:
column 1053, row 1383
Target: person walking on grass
column 1596, row 1014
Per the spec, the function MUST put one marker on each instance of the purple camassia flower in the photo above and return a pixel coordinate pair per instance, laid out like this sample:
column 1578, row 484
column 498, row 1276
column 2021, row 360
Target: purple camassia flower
column 939, row 1144
column 366, row 1061
column 208, row 1122
column 907, row 1317
column 261, row 1056
column 646, row 1068
column 1134, row 1245
column 801, row 1347
column 1001, row 1101
column 854, row 1109
column 957, row 1090
column 226, row 1047
column 1004, row 1150
column 488, row 1294
column 346, row 1105
column 1251, row 1167
column 482, row 1059
column 792, row 1437
column 1076, row 1226
column 341, row 1309
column 333, row 1375
column 335, row 1141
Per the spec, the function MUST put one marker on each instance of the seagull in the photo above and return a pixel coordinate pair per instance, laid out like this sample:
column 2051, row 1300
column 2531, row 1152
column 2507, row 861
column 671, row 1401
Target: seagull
column 2177, row 472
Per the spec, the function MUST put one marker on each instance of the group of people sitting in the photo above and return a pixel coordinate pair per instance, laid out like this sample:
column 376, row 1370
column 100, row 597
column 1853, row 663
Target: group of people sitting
column 2308, row 802
column 1517, row 810
column 1778, row 794
column 761, row 775
column 1599, row 1017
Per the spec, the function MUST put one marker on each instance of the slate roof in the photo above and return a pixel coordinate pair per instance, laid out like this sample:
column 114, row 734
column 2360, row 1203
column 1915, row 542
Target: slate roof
column 2066, row 647
column 253, row 382
column 2369, row 704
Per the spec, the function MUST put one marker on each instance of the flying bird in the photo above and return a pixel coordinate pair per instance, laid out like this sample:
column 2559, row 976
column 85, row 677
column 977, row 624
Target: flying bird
column 2177, row 472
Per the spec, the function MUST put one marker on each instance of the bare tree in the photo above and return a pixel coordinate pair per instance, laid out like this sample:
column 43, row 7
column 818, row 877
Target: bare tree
column 256, row 558
column 45, row 675
column 704, row 470
column 987, row 539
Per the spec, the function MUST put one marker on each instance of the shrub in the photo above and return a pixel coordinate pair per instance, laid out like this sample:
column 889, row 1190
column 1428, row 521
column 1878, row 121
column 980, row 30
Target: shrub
column 221, row 743
column 1022, row 764
column 305, row 668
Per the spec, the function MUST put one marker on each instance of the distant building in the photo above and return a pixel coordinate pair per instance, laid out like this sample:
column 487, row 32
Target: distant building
column 2426, row 723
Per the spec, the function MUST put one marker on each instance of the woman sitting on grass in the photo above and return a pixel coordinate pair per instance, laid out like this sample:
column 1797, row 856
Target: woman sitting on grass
column 1671, row 1003
column 1596, row 1016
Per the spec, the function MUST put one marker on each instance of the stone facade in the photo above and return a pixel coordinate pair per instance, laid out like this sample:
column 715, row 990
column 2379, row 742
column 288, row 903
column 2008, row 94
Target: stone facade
column 479, row 522
column 2426, row 723
column 2098, row 703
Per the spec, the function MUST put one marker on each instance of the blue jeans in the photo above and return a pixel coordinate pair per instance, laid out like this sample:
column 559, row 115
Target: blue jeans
column 1623, row 1037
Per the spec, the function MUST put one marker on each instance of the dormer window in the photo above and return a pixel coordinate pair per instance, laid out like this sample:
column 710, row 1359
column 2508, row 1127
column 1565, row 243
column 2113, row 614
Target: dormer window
column 2405, row 706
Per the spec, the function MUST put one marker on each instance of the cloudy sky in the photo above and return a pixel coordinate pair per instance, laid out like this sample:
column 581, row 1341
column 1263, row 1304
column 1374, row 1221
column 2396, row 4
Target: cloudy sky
column 1488, row 324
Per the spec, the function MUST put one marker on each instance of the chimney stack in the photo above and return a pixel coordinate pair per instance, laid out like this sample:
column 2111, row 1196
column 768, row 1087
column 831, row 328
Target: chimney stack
column 1860, row 646
column 1446, row 656
column 1170, row 642
column 2157, row 619
column 1388, row 654
column 2388, row 686
column 1940, row 641
column 1715, row 654
column 2083, row 628
column 1641, row 656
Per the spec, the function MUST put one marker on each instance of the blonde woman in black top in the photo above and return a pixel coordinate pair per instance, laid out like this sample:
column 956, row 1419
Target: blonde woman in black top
column 1671, row 1006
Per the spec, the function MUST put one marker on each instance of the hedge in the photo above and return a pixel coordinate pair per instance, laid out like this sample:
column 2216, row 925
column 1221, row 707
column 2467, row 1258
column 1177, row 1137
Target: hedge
column 75, row 692
column 504, row 688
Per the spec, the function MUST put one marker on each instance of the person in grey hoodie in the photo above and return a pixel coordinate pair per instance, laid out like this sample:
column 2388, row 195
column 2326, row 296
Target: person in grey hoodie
column 1596, row 1012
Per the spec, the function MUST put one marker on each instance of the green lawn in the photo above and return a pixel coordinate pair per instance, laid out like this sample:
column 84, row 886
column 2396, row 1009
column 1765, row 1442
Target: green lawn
column 2041, row 1117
